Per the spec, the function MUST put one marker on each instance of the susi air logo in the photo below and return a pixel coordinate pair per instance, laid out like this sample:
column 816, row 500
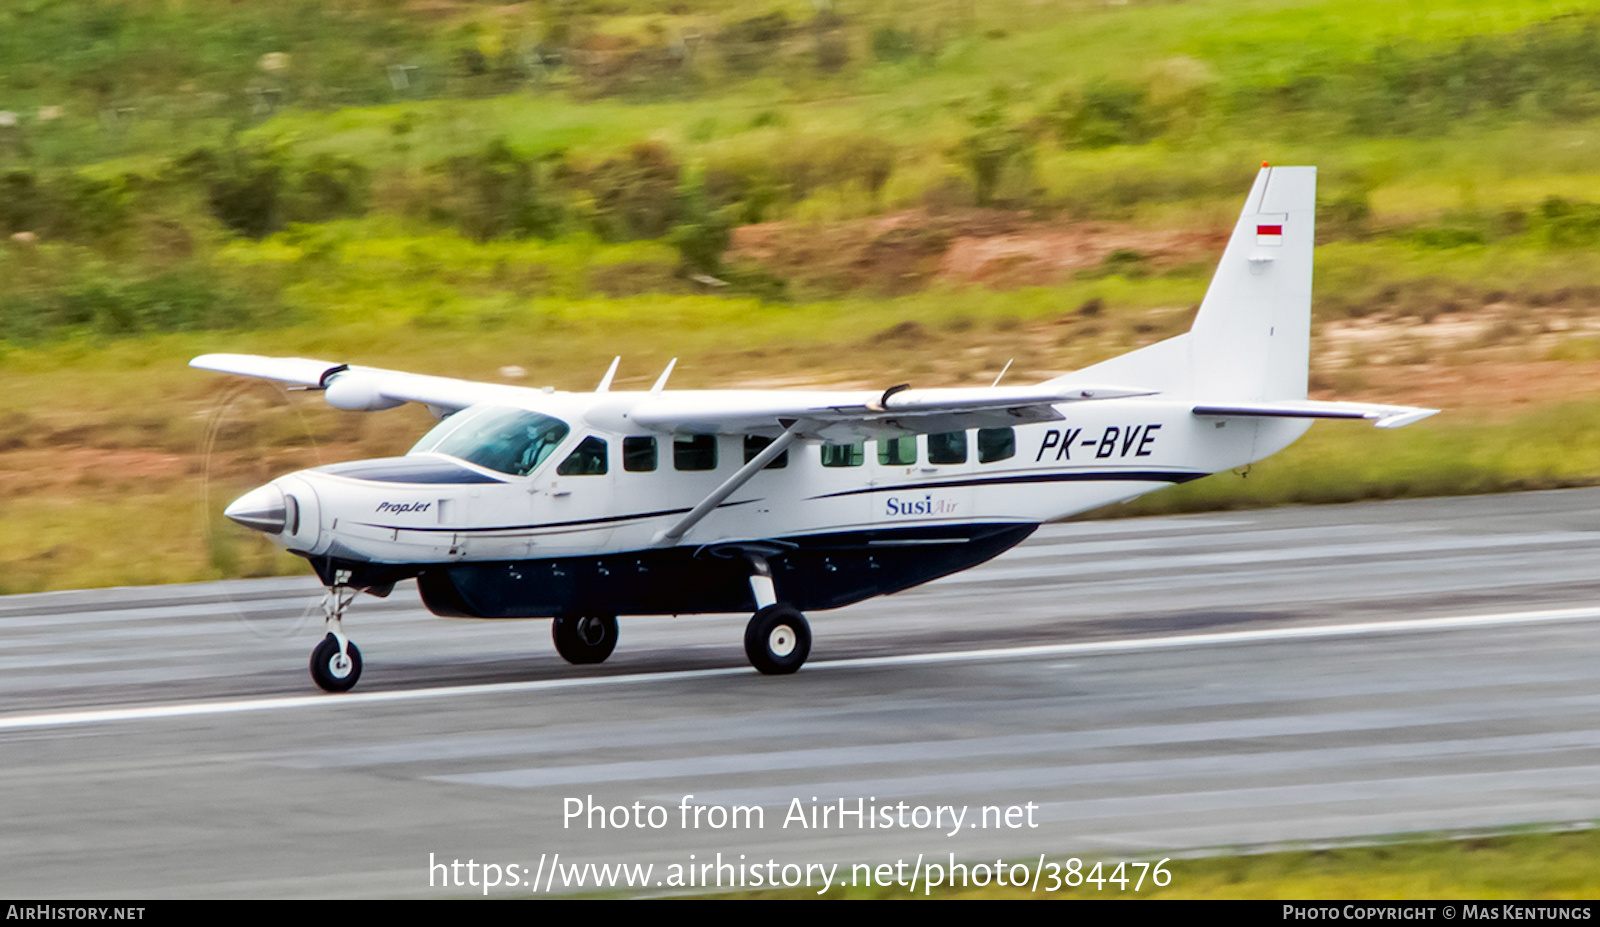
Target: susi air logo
column 400, row 508
column 927, row 505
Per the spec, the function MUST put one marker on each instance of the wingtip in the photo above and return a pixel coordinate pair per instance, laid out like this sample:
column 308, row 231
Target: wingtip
column 1406, row 417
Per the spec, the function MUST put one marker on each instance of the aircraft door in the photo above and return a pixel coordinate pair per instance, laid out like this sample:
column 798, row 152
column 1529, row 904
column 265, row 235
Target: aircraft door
column 576, row 508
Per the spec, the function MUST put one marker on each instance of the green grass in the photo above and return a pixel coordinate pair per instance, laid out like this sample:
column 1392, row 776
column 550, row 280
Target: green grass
column 96, row 403
column 1456, row 453
column 132, row 275
column 1190, row 173
column 1528, row 866
column 1033, row 52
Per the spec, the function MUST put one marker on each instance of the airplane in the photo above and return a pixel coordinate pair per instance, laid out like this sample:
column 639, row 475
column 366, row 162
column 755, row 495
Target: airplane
column 580, row 507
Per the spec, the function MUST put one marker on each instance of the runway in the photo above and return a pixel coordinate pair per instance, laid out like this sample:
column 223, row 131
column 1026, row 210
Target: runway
column 1150, row 687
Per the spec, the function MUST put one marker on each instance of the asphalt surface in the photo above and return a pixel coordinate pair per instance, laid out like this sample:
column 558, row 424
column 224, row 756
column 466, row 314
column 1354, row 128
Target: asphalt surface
column 1110, row 690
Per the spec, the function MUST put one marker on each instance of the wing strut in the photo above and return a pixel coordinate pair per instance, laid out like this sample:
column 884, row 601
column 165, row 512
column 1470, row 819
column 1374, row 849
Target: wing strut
column 729, row 486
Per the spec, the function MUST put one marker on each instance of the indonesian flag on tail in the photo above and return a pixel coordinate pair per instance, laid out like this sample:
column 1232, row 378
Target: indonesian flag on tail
column 1269, row 230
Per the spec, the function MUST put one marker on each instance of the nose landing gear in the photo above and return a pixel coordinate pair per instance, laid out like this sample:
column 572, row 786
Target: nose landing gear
column 336, row 663
column 334, row 667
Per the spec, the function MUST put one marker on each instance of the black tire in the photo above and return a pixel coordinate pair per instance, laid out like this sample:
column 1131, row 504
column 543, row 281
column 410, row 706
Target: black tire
column 582, row 639
column 777, row 640
column 325, row 669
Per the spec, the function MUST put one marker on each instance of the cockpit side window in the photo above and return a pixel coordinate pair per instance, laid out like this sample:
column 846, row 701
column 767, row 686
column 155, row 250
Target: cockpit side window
column 513, row 441
column 589, row 459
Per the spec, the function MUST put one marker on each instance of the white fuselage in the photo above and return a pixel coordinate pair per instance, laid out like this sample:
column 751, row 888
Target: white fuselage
column 1098, row 454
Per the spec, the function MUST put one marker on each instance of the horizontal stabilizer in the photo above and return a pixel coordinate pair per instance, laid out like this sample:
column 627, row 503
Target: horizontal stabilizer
column 1380, row 415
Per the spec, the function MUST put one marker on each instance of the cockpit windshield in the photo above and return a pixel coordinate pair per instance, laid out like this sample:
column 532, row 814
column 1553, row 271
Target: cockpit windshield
column 511, row 441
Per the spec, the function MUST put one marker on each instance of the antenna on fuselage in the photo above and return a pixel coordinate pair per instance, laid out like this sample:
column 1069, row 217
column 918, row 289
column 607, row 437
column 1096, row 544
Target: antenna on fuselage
column 611, row 372
column 1002, row 373
column 661, row 381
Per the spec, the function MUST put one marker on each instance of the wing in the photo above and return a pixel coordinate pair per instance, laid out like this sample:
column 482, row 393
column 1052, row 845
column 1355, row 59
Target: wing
column 831, row 415
column 363, row 389
column 1381, row 415
column 843, row 415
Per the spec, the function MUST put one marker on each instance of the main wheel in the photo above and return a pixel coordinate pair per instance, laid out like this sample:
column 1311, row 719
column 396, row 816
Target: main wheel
column 585, row 638
column 777, row 640
column 335, row 673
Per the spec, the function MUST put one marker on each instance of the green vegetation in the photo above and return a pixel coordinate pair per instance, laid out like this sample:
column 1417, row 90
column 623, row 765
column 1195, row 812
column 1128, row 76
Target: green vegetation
column 106, row 431
column 1531, row 866
column 148, row 134
column 1551, row 447
column 457, row 187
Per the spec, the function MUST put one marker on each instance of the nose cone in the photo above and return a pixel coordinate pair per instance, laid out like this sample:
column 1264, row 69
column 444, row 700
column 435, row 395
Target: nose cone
column 262, row 508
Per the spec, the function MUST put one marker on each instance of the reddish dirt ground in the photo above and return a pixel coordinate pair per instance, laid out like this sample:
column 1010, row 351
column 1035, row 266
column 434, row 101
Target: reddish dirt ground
column 989, row 247
column 1491, row 386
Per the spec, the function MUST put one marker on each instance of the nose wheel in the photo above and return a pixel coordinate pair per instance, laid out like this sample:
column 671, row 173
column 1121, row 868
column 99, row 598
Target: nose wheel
column 333, row 668
column 336, row 663
column 777, row 640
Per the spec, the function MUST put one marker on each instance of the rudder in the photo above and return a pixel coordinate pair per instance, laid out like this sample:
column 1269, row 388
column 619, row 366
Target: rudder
column 1252, row 336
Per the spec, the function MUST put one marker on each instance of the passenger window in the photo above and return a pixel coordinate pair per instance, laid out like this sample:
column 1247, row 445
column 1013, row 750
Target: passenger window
column 844, row 455
column 948, row 448
column 996, row 444
column 639, row 454
column 588, row 460
column 755, row 444
column 694, row 452
column 898, row 452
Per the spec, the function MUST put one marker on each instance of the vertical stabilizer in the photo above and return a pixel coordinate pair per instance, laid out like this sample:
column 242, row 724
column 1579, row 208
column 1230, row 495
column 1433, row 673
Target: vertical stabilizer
column 1252, row 338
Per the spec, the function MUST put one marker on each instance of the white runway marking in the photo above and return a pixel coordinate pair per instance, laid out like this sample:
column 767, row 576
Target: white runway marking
column 1266, row 635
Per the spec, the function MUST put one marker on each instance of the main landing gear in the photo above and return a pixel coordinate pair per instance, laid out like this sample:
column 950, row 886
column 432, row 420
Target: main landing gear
column 336, row 663
column 584, row 639
column 778, row 639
